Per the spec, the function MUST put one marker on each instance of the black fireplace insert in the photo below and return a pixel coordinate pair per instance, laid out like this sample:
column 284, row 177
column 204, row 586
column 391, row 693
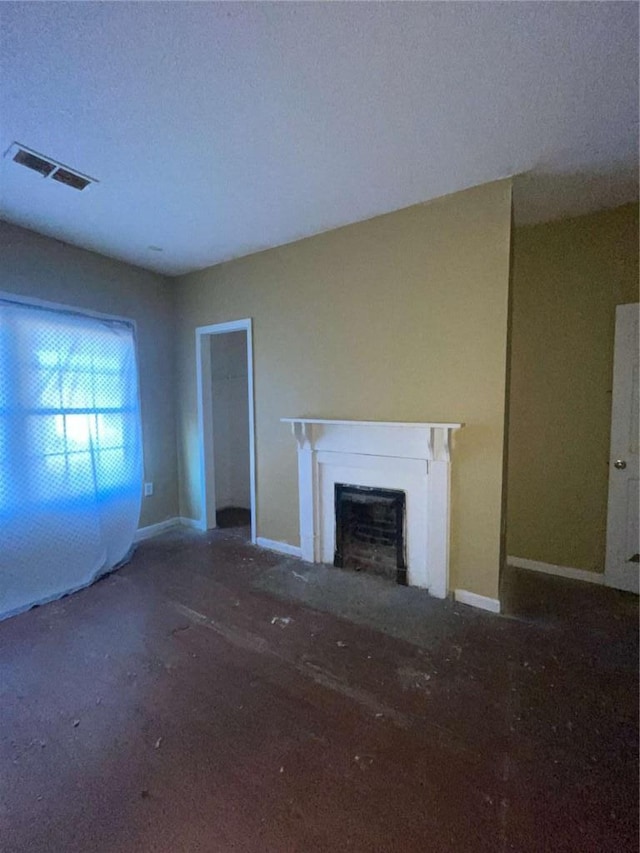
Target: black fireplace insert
column 370, row 530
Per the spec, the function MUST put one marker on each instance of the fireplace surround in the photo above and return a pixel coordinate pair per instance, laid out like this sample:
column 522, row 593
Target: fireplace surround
column 409, row 458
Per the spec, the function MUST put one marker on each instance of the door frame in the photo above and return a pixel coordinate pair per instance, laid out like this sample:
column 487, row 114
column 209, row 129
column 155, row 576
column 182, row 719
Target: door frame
column 613, row 575
column 206, row 403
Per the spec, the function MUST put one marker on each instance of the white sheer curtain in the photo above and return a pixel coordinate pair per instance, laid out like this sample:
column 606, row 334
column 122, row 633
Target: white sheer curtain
column 70, row 451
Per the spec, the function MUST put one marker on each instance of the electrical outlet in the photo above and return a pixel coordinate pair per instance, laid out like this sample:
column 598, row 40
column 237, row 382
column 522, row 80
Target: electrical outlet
column 148, row 490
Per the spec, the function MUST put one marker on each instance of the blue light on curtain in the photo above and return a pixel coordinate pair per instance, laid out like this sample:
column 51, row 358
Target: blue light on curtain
column 70, row 451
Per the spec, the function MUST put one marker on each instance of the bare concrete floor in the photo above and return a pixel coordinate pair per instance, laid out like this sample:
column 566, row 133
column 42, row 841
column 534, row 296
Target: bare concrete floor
column 213, row 697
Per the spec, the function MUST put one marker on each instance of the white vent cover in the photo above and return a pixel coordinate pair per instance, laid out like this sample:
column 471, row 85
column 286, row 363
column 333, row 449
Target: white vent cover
column 48, row 168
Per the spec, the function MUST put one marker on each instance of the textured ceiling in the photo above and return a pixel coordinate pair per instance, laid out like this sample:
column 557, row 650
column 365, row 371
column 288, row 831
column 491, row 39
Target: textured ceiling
column 219, row 129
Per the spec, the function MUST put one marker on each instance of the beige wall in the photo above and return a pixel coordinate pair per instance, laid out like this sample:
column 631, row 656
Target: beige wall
column 568, row 276
column 402, row 317
column 35, row 266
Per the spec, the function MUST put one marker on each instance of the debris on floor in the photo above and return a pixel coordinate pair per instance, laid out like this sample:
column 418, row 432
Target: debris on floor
column 363, row 761
column 426, row 718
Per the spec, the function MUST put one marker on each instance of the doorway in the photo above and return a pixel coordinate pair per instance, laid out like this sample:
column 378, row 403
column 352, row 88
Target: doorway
column 224, row 368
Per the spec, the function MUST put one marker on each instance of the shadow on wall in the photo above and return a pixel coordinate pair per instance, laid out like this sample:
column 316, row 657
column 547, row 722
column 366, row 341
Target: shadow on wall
column 571, row 194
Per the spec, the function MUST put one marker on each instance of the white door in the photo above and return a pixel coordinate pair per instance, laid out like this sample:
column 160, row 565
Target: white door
column 622, row 566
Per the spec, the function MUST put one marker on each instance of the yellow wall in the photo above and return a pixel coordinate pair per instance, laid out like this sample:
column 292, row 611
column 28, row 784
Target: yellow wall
column 568, row 276
column 402, row 317
column 38, row 267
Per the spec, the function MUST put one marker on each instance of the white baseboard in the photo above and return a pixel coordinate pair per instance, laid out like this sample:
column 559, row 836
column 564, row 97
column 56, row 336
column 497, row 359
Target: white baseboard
column 195, row 523
column 162, row 526
column 475, row 600
column 280, row 547
column 156, row 529
column 560, row 571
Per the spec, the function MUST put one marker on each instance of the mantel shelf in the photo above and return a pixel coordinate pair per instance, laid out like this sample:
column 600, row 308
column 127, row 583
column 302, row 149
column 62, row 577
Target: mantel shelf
column 404, row 425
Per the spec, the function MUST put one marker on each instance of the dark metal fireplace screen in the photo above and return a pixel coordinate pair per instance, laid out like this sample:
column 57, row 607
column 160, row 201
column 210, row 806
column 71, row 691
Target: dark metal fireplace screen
column 370, row 531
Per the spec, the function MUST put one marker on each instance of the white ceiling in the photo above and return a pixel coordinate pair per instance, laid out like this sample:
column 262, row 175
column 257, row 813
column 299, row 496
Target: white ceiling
column 219, row 129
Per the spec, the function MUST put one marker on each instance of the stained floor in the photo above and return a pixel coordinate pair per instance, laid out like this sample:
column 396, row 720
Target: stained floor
column 211, row 696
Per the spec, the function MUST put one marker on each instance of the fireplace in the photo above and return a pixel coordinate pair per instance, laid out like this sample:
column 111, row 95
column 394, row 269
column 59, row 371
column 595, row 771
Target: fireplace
column 403, row 466
column 370, row 531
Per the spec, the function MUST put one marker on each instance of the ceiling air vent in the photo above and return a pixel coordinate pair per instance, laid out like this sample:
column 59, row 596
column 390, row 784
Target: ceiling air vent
column 48, row 168
column 70, row 179
column 38, row 164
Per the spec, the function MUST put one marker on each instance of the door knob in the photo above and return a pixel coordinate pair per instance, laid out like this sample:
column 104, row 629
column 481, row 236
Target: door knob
column 620, row 464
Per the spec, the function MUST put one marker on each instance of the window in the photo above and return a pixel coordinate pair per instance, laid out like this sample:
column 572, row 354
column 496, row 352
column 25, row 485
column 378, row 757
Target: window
column 69, row 414
column 70, row 451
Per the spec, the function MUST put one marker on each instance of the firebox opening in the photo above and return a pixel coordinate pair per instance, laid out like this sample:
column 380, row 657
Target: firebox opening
column 370, row 531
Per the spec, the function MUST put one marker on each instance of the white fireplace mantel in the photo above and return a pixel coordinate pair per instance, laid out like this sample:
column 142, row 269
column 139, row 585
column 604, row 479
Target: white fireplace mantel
column 411, row 457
